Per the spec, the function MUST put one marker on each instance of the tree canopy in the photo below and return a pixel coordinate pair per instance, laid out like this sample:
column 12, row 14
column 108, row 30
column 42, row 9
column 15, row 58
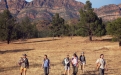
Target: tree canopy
column 114, row 29
column 57, row 25
column 90, row 24
column 11, row 29
column 7, row 24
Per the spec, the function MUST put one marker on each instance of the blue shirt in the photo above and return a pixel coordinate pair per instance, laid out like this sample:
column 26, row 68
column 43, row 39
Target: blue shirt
column 46, row 63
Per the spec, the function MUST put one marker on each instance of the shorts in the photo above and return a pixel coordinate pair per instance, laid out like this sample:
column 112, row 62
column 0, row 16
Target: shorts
column 83, row 63
column 23, row 69
column 67, row 67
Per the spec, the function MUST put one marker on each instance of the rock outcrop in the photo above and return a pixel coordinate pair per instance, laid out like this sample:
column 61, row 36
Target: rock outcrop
column 14, row 6
column 109, row 12
column 45, row 9
column 42, row 9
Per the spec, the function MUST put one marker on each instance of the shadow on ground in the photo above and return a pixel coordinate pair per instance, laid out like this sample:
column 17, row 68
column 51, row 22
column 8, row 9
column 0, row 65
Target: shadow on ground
column 16, row 67
column 8, row 68
column 92, row 73
column 14, row 51
column 24, row 42
column 107, row 40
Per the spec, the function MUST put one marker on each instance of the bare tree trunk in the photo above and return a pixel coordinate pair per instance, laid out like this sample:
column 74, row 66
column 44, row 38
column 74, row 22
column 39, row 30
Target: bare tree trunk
column 71, row 36
column 8, row 41
column 53, row 36
column 9, row 37
column 120, row 43
column 90, row 35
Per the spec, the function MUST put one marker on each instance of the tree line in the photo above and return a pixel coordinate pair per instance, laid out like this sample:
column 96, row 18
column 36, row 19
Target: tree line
column 89, row 24
column 11, row 29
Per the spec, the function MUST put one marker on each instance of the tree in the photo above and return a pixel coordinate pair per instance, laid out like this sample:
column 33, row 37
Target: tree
column 11, row 29
column 114, row 28
column 90, row 24
column 27, row 29
column 7, row 24
column 72, row 27
column 57, row 25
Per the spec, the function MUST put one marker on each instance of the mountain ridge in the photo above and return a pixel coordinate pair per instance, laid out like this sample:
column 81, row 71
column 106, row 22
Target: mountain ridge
column 45, row 9
column 109, row 12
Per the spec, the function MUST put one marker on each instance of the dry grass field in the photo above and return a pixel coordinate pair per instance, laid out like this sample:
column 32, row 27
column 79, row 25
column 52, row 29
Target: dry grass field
column 56, row 50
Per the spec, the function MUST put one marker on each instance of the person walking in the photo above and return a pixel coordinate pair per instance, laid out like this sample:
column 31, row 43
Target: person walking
column 75, row 55
column 67, row 65
column 24, row 64
column 101, row 64
column 75, row 64
column 46, row 65
column 82, row 61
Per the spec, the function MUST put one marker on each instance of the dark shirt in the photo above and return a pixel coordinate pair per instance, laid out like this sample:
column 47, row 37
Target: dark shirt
column 82, row 58
column 67, row 62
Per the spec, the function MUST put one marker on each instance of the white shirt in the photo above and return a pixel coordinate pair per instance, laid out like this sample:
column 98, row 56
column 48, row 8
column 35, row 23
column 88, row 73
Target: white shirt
column 66, row 61
column 74, row 61
column 102, row 62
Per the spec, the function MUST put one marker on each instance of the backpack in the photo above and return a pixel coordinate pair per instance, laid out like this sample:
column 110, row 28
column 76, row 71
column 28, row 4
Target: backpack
column 20, row 61
column 23, row 61
column 98, row 66
column 63, row 62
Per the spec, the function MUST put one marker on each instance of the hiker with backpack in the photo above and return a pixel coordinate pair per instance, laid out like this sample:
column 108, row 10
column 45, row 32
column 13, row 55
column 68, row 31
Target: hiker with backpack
column 75, row 65
column 46, row 65
column 82, row 61
column 66, row 63
column 24, row 64
column 101, row 64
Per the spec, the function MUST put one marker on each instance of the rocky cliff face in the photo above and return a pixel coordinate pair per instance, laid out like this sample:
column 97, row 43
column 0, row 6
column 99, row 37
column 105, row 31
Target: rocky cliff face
column 45, row 9
column 109, row 12
column 42, row 9
column 3, row 5
column 15, row 6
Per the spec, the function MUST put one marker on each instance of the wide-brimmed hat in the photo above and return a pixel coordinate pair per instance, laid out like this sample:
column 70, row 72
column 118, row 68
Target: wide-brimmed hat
column 24, row 54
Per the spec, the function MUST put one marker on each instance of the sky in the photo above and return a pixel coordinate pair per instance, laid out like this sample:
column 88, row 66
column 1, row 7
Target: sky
column 98, row 3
